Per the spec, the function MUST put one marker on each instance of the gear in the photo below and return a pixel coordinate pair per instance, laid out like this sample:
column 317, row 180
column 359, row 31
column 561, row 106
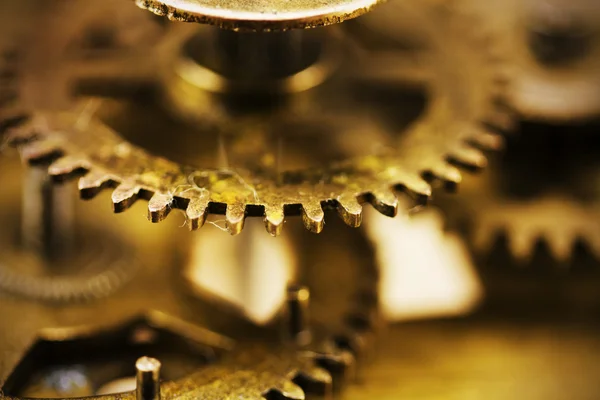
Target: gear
column 101, row 264
column 553, row 54
column 465, row 94
column 105, row 267
column 548, row 199
column 342, row 321
column 527, row 222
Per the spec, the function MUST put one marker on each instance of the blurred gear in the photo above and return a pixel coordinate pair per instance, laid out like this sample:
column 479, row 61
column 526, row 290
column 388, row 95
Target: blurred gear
column 47, row 255
column 553, row 49
column 561, row 223
column 323, row 332
column 552, row 199
column 465, row 97
column 98, row 269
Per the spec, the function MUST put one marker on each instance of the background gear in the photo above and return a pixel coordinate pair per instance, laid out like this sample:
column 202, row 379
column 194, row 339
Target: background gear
column 550, row 198
column 342, row 322
column 553, row 51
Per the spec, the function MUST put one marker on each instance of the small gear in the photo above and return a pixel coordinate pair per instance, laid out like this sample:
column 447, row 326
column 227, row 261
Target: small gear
column 550, row 199
column 558, row 221
column 466, row 94
column 259, row 362
column 105, row 267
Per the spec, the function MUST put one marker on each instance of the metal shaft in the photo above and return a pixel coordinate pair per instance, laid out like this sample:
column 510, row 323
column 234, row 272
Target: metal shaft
column 255, row 56
column 297, row 314
column 147, row 378
column 47, row 216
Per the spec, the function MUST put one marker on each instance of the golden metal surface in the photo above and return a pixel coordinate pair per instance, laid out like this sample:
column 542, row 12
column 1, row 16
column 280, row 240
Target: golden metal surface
column 159, row 302
column 464, row 100
column 169, row 125
column 263, row 15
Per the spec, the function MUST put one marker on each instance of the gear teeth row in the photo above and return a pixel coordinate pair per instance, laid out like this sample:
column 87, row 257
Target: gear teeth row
column 523, row 236
column 197, row 202
column 381, row 187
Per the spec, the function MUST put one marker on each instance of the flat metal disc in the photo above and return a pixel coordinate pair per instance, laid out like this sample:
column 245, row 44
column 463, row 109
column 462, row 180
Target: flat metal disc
column 260, row 15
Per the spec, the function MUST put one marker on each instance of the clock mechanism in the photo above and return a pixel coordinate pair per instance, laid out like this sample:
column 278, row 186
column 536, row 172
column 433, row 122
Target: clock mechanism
column 455, row 140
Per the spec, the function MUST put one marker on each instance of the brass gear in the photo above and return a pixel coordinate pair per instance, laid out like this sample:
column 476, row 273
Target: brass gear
column 258, row 362
column 466, row 98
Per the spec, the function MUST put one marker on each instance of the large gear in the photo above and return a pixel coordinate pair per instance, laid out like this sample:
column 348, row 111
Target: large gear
column 250, row 360
column 465, row 92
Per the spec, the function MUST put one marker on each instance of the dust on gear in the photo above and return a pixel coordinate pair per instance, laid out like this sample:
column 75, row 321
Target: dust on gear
column 465, row 99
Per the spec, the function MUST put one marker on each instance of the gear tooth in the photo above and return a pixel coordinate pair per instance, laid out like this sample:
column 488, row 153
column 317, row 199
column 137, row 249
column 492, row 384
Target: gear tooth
column 320, row 375
column 287, row 390
column 447, row 173
column 274, row 217
column 484, row 236
column 235, row 216
column 486, row 140
column 339, row 363
column 419, row 187
column 521, row 244
column 350, row 210
column 500, row 119
column 159, row 206
column 90, row 184
column 313, row 216
column 314, row 380
column 468, row 157
column 39, row 151
column 560, row 245
column 384, row 201
column 66, row 165
column 197, row 211
column 124, row 196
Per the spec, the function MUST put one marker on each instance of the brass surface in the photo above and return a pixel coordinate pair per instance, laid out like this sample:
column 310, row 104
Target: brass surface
column 105, row 93
column 264, row 15
column 246, row 360
column 464, row 99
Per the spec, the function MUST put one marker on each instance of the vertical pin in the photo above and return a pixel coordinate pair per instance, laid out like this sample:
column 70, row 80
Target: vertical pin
column 297, row 314
column 147, row 378
column 47, row 217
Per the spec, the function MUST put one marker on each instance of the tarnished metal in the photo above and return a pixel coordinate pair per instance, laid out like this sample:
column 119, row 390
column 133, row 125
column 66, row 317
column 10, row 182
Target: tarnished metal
column 465, row 99
column 261, row 15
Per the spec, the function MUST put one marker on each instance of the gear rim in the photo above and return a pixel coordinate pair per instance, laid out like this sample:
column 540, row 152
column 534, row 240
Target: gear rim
column 376, row 179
